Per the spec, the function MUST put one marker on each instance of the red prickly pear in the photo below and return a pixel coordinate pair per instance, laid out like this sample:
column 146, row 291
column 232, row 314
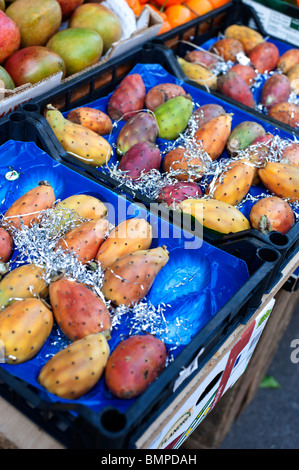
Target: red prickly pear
column 27, row 207
column 203, row 57
column 290, row 154
column 206, row 112
column 134, row 364
column 272, row 213
column 85, row 239
column 141, row 157
column 264, row 57
column 140, row 128
column 285, row 112
column 128, row 98
column 6, row 245
column 173, row 194
column 130, row 277
column 282, row 180
column 161, row 93
column 234, row 86
column 247, row 72
column 77, row 309
column 227, row 48
column 276, row 89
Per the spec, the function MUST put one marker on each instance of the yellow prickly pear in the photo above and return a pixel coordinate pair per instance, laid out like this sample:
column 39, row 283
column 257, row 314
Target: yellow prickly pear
column 74, row 370
column 84, row 144
column 130, row 235
column 86, row 206
column 23, row 282
column 24, row 327
column 199, row 73
column 130, row 278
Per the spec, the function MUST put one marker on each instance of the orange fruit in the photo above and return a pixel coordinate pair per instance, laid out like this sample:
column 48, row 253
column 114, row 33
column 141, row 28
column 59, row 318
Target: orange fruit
column 135, row 6
column 218, row 3
column 199, row 7
column 178, row 15
column 166, row 26
column 169, row 2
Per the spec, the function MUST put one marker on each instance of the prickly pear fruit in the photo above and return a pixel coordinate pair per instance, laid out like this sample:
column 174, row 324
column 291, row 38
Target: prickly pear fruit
column 216, row 215
column 27, row 207
column 91, row 118
column 80, row 142
column 272, row 213
column 281, row 180
column 25, row 281
column 287, row 60
column 290, row 154
column 75, row 370
column 247, row 72
column 140, row 158
column 85, row 239
column 235, row 182
column 264, row 57
column 6, row 245
column 202, row 57
column 86, row 206
column 243, row 135
column 128, row 98
column 173, row 116
column 206, row 112
column 140, row 128
column 77, row 309
column 199, row 73
column 232, row 85
column 158, row 94
column 24, row 328
column 276, row 89
column 213, row 135
column 183, row 164
column 128, row 236
column 285, row 112
column 227, row 48
column 175, row 193
column 247, row 36
column 130, row 278
column 293, row 76
column 257, row 153
column 134, row 364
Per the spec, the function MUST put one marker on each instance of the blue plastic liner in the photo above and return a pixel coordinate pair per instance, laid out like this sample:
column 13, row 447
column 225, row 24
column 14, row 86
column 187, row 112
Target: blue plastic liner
column 198, row 281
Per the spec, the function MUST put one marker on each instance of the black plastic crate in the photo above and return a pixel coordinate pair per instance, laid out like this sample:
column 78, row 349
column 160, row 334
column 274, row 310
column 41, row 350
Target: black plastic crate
column 77, row 426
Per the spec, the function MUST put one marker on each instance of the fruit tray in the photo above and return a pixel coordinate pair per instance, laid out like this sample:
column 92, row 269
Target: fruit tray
column 224, row 290
column 152, row 75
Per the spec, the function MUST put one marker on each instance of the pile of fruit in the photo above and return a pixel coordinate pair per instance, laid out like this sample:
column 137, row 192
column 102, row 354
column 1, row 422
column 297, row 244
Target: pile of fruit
column 242, row 61
column 192, row 158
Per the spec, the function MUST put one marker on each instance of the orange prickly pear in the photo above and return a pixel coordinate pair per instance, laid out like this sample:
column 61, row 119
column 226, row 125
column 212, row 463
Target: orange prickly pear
column 6, row 245
column 285, row 112
column 130, row 235
column 77, row 309
column 24, row 327
column 272, row 213
column 91, row 118
column 183, row 164
column 85, row 239
column 206, row 112
column 158, row 94
column 75, row 370
column 130, row 278
column 288, row 59
column 234, row 183
column 213, row 135
column 27, row 207
column 281, row 179
column 227, row 48
column 134, row 364
column 23, row 282
column 86, row 206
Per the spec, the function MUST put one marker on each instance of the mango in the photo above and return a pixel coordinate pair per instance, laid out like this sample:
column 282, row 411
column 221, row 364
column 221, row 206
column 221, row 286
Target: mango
column 10, row 37
column 5, row 78
column 68, row 6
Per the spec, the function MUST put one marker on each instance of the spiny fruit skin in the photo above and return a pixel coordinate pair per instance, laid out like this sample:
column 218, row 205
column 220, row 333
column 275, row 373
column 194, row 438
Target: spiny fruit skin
column 264, row 57
column 282, row 180
column 128, row 98
column 277, row 89
column 75, row 370
column 86, row 206
column 128, row 236
column 158, row 94
column 175, row 193
column 6, row 245
column 78, row 310
column 173, row 117
column 140, row 128
column 183, row 164
column 272, row 213
column 134, row 364
column 24, row 328
column 199, row 73
column 233, row 185
column 85, row 239
column 91, row 118
column 216, row 215
column 140, row 158
column 232, row 85
column 243, row 135
column 288, row 59
column 201, row 57
column 290, row 154
column 27, row 207
column 206, row 112
column 82, row 143
column 129, row 278
column 25, row 281
column 227, row 48
column 213, row 135
column 248, row 36
column 285, row 112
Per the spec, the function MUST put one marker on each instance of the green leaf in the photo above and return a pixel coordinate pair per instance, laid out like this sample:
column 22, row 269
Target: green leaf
column 269, row 382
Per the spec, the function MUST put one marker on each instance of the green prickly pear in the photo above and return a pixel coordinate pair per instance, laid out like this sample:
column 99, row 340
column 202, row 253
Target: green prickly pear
column 24, row 327
column 243, row 135
column 130, row 278
column 173, row 116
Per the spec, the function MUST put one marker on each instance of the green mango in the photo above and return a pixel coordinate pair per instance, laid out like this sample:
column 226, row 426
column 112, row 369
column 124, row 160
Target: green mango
column 2, row 5
column 173, row 116
column 6, row 79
